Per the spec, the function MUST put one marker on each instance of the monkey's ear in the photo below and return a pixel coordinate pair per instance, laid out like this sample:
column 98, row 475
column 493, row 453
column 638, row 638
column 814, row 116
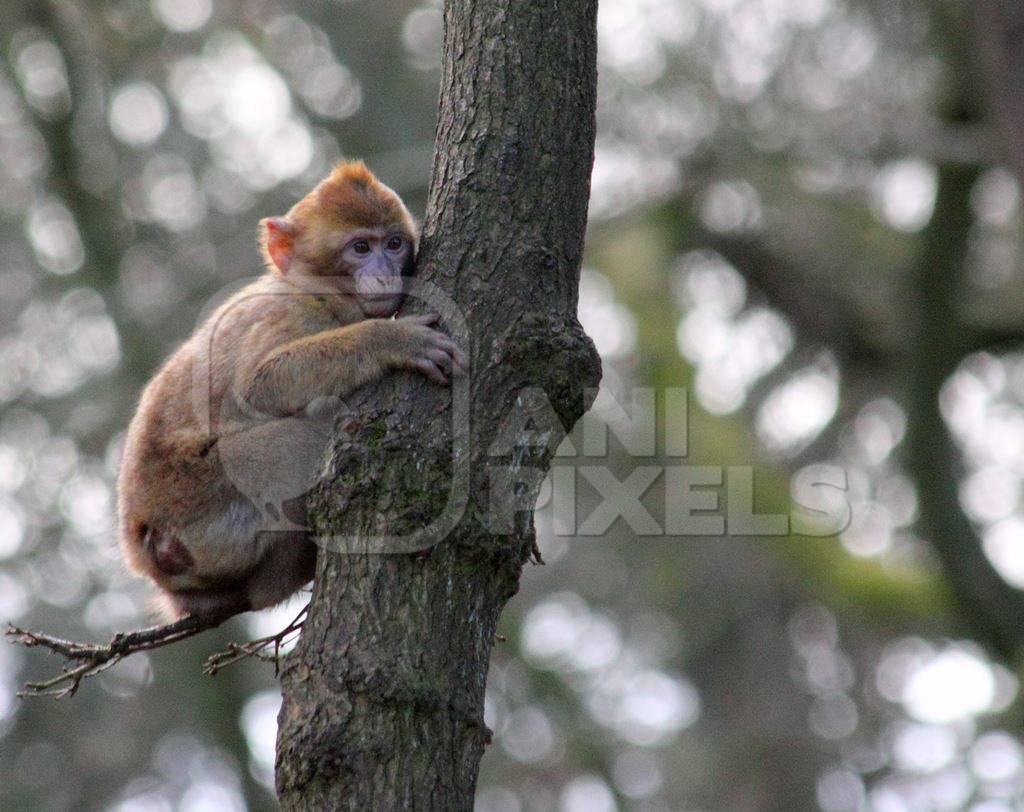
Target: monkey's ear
column 277, row 239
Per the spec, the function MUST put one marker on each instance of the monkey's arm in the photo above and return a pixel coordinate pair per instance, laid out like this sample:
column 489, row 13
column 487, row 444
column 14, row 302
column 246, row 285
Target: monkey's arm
column 336, row 362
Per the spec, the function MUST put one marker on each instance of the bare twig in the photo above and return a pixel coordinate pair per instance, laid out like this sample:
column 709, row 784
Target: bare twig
column 84, row 660
column 92, row 659
column 256, row 649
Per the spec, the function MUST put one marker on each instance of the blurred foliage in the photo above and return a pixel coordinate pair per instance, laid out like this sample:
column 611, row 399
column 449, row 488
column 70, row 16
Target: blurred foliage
column 798, row 217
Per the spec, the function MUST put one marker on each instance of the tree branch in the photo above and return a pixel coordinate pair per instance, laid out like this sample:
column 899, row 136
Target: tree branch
column 821, row 317
column 90, row 659
column 999, row 58
column 94, row 659
column 256, row 649
column 993, row 608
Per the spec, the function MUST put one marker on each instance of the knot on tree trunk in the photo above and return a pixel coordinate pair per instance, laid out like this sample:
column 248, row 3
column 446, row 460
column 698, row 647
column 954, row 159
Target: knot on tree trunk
column 551, row 352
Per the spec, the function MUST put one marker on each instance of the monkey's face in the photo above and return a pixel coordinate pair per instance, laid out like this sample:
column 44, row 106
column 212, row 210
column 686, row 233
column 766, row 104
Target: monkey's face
column 376, row 261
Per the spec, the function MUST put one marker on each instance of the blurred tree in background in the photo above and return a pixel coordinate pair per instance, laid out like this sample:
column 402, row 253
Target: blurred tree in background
column 806, row 212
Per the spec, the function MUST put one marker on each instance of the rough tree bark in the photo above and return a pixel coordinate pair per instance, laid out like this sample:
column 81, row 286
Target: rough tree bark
column 383, row 698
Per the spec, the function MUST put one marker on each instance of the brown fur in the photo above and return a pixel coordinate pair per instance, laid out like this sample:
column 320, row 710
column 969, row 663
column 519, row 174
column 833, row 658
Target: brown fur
column 220, row 436
column 350, row 197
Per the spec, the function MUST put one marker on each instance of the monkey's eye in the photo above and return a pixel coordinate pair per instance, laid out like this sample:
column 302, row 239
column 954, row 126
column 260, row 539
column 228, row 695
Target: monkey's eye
column 361, row 247
column 394, row 243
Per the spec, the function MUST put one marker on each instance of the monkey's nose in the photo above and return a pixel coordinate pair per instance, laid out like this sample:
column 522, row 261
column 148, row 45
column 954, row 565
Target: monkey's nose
column 389, row 284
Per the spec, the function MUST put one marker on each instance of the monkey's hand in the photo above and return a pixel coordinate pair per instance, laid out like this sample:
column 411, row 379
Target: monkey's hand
column 422, row 349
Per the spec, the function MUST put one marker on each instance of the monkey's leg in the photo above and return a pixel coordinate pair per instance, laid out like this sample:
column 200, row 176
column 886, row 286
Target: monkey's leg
column 205, row 569
column 288, row 565
column 216, row 603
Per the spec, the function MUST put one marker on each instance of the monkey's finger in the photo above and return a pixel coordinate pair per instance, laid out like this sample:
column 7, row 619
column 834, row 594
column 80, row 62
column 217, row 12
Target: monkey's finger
column 439, row 341
column 459, row 360
column 430, row 370
column 428, row 319
column 449, row 346
column 460, row 366
column 442, row 359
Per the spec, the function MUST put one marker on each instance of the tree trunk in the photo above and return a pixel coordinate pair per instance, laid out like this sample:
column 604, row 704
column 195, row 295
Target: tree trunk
column 999, row 55
column 383, row 698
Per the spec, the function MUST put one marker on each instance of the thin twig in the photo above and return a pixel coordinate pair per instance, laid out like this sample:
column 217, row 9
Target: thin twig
column 535, row 555
column 256, row 649
column 92, row 659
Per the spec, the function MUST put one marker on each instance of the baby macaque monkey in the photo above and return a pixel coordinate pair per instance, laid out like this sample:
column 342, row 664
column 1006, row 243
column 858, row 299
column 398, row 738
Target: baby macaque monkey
column 316, row 326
